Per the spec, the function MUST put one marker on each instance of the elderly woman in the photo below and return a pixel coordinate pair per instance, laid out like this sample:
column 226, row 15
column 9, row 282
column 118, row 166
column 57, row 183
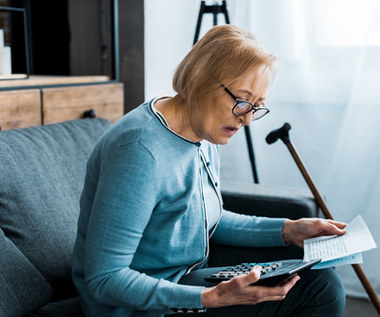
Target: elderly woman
column 151, row 200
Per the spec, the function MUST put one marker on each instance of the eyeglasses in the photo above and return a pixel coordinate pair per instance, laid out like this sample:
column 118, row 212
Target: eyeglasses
column 242, row 107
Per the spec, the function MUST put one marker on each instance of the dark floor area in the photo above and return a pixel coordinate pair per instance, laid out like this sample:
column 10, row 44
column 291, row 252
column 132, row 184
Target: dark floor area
column 356, row 307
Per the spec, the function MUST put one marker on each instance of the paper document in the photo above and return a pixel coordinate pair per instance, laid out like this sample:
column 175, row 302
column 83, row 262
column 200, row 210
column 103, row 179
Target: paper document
column 339, row 250
column 349, row 259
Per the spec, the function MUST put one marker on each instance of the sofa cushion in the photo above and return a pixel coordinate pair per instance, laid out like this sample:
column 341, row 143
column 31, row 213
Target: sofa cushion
column 64, row 308
column 22, row 287
column 42, row 172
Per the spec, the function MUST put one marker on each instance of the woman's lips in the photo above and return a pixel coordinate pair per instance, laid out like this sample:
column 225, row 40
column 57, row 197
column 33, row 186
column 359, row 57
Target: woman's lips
column 231, row 130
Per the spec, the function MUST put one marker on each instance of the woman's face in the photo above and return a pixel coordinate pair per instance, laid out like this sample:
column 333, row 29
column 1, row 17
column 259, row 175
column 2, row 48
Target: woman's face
column 215, row 122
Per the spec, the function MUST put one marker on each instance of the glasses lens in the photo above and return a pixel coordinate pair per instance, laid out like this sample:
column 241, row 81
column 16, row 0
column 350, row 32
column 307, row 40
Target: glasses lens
column 241, row 108
column 259, row 113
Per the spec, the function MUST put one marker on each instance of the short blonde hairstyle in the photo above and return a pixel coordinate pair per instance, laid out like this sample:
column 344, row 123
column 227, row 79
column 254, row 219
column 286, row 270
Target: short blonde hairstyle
column 223, row 55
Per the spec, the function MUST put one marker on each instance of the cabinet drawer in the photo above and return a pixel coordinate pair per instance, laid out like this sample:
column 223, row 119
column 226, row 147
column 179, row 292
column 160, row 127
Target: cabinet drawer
column 20, row 108
column 70, row 103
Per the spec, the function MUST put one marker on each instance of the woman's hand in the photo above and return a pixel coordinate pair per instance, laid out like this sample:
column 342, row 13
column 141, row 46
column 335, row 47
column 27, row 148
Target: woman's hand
column 240, row 291
column 295, row 231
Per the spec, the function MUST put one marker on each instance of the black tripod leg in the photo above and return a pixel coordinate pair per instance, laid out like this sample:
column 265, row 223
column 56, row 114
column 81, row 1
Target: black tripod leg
column 225, row 11
column 246, row 128
column 251, row 153
column 200, row 16
column 215, row 18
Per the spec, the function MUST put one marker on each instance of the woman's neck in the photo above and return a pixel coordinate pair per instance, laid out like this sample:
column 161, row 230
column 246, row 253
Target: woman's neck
column 177, row 115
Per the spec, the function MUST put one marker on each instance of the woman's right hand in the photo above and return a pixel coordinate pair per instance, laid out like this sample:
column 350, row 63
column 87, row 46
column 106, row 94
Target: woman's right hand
column 240, row 291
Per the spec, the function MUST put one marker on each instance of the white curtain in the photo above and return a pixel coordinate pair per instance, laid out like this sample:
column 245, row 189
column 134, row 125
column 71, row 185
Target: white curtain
column 327, row 86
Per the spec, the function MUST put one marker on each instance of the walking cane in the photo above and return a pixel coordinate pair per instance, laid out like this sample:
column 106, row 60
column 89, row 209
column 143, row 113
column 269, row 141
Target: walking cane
column 283, row 134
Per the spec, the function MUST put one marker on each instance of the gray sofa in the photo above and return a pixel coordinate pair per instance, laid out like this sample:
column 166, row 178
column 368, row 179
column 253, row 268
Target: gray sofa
column 41, row 177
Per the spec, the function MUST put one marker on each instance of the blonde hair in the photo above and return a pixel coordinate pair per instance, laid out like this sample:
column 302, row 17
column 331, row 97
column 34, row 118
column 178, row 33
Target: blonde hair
column 223, row 55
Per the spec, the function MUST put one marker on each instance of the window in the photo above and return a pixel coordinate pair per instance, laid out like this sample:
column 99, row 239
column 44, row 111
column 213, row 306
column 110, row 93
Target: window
column 348, row 23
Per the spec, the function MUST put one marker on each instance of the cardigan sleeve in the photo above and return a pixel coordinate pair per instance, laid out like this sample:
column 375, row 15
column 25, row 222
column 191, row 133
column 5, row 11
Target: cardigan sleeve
column 249, row 231
column 121, row 209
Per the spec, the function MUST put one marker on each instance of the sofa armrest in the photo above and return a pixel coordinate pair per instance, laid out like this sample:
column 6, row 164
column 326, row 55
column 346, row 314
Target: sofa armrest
column 269, row 201
column 223, row 255
column 266, row 201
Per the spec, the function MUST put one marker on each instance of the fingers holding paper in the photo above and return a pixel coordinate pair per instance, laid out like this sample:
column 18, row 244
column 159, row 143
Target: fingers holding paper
column 296, row 231
column 340, row 250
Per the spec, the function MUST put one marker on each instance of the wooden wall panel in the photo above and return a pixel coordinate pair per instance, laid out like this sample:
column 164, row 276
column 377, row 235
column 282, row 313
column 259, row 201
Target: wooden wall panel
column 20, row 108
column 69, row 103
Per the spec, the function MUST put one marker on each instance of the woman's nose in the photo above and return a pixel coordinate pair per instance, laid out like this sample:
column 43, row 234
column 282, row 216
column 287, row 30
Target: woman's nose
column 247, row 118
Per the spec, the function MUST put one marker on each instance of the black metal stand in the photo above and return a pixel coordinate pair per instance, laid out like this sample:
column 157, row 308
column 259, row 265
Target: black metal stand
column 215, row 10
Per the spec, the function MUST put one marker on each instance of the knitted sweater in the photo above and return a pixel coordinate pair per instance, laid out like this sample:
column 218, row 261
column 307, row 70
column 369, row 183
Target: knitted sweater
column 144, row 219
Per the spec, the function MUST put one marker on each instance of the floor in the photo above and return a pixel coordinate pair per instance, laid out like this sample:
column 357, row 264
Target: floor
column 359, row 308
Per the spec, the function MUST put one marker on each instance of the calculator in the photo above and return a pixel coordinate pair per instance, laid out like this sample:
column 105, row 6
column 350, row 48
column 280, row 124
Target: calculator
column 272, row 273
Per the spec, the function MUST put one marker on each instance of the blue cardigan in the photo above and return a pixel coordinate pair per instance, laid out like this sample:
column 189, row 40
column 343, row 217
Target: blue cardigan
column 143, row 221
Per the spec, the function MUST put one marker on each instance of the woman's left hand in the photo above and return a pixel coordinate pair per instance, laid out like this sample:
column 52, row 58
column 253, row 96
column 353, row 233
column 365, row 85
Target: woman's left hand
column 295, row 231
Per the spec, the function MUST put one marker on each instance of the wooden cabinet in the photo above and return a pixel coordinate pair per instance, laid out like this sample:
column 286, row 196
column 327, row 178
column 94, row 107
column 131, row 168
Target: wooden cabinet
column 21, row 108
column 70, row 103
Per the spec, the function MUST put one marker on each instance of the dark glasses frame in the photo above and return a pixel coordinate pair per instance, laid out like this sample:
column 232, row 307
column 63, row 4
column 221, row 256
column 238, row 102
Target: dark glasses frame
column 258, row 111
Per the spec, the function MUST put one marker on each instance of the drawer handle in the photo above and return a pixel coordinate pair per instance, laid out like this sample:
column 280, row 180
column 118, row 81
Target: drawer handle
column 90, row 113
